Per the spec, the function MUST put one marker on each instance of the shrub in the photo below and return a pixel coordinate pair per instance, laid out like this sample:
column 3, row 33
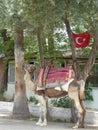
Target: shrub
column 33, row 99
column 88, row 92
column 64, row 102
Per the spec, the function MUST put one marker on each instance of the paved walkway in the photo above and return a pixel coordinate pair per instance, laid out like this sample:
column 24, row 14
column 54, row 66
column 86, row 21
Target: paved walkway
column 11, row 124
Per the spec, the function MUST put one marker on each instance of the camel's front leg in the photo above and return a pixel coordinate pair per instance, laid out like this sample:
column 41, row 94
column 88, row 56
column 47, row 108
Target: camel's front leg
column 43, row 111
column 40, row 118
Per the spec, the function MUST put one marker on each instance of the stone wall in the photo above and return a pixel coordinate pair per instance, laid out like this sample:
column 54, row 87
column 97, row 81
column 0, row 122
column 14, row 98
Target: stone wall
column 55, row 113
column 64, row 114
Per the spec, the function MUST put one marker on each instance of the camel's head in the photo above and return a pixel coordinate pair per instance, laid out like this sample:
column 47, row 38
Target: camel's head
column 29, row 67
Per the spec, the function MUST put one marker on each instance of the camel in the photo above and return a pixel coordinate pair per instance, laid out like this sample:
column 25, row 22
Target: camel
column 75, row 91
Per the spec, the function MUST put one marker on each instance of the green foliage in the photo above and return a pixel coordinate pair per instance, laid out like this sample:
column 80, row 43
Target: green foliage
column 3, row 13
column 48, row 15
column 64, row 102
column 9, row 48
column 2, row 98
column 85, row 13
column 33, row 99
column 1, row 46
column 88, row 92
column 30, row 47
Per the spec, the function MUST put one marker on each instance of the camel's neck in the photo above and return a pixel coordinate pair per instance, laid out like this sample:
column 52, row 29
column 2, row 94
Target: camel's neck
column 28, row 82
column 27, row 76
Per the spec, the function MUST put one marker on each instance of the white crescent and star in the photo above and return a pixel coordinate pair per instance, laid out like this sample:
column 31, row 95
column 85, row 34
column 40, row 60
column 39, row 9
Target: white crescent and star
column 82, row 41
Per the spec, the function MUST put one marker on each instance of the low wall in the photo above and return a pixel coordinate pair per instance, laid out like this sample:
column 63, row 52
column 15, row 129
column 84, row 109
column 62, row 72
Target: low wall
column 64, row 114
column 54, row 112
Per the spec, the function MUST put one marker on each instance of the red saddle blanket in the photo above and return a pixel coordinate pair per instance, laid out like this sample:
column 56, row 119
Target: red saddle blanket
column 52, row 75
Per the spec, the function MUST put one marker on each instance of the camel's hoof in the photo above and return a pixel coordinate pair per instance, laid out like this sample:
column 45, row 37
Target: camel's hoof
column 38, row 123
column 43, row 124
column 75, row 127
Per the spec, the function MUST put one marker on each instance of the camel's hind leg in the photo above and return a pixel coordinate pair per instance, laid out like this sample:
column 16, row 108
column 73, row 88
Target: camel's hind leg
column 74, row 95
column 83, row 114
column 43, row 111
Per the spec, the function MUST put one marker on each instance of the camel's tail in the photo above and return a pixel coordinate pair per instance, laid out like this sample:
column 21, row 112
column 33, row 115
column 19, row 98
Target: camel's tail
column 82, row 86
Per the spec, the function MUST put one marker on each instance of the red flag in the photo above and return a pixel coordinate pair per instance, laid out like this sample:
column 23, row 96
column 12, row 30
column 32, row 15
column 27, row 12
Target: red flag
column 81, row 40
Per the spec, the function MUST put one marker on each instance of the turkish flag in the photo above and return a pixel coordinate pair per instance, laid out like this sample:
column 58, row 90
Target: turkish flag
column 81, row 40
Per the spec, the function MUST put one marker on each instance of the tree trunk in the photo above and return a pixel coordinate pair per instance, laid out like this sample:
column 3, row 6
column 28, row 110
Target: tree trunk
column 4, row 69
column 20, row 109
column 74, row 57
column 39, row 37
column 88, row 65
column 51, row 42
column 92, row 56
column 75, row 64
column 1, row 74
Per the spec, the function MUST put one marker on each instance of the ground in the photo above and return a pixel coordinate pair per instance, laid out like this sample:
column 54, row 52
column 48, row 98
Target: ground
column 9, row 124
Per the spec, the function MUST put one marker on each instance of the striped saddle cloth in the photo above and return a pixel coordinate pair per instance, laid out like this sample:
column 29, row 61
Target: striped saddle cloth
column 50, row 75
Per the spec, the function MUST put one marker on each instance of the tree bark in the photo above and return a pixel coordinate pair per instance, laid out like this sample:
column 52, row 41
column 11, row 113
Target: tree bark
column 92, row 56
column 51, row 42
column 88, row 65
column 39, row 37
column 74, row 57
column 20, row 109
column 1, row 74
column 75, row 64
column 4, row 67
